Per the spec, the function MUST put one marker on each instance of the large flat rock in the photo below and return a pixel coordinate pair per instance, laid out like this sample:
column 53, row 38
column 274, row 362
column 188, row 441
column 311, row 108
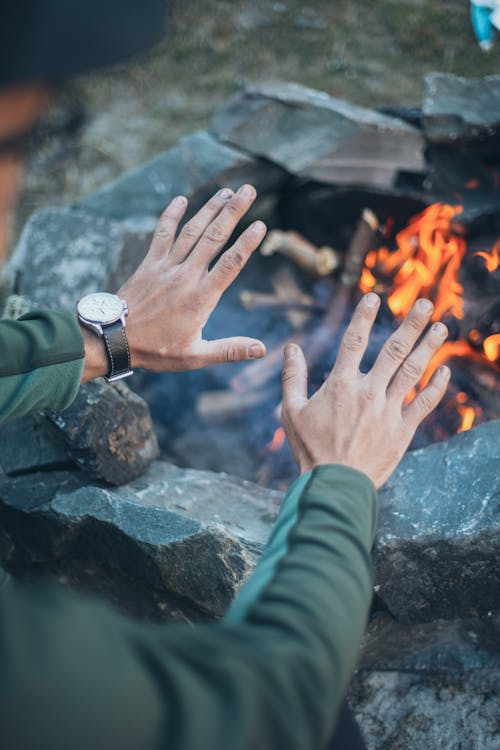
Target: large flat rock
column 65, row 253
column 316, row 136
column 459, row 109
column 437, row 550
column 196, row 167
column 174, row 542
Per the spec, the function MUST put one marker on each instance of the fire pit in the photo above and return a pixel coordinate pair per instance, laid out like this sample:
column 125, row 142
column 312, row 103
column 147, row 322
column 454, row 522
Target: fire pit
column 421, row 233
column 405, row 204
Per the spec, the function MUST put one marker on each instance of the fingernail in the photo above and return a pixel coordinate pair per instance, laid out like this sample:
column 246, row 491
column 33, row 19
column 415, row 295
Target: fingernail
column 444, row 372
column 255, row 351
column 181, row 200
column 425, row 305
column 258, row 226
column 290, row 351
column 246, row 191
column 225, row 194
column 371, row 300
column 440, row 330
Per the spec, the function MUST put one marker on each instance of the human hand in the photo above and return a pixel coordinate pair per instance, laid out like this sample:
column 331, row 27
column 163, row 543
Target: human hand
column 173, row 293
column 361, row 420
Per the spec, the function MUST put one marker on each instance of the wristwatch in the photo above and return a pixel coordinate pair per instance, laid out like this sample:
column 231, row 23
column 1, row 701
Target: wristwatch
column 105, row 314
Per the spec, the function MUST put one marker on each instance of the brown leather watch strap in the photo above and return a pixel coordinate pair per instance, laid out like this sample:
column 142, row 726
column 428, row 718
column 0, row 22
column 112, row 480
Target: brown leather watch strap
column 116, row 342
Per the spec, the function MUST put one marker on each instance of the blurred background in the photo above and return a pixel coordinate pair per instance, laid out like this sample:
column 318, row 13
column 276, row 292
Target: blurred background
column 372, row 53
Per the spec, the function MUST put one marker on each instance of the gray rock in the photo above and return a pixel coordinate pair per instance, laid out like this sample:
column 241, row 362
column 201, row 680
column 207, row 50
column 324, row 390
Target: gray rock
column 108, row 432
column 442, row 646
column 413, row 711
column 316, row 136
column 461, row 109
column 437, row 550
column 243, row 508
column 31, row 444
column 152, row 546
column 196, row 168
column 64, row 254
column 429, row 685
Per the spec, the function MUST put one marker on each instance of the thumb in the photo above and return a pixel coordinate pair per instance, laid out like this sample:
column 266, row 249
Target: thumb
column 294, row 378
column 233, row 349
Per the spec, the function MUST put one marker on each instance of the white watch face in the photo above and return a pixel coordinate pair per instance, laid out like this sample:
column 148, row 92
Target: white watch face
column 100, row 307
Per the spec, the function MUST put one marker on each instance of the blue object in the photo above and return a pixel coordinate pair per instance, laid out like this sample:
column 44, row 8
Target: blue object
column 483, row 28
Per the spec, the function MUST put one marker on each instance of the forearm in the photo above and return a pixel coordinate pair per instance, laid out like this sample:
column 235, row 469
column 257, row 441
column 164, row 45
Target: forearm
column 314, row 579
column 41, row 362
column 271, row 679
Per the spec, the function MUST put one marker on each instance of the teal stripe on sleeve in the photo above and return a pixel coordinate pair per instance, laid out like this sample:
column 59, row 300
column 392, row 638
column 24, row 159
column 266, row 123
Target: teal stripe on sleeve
column 276, row 548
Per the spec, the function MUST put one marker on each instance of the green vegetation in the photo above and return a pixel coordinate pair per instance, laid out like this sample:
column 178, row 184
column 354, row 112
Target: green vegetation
column 373, row 52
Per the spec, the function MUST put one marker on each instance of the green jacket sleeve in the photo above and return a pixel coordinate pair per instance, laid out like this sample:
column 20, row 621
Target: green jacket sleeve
column 76, row 674
column 41, row 362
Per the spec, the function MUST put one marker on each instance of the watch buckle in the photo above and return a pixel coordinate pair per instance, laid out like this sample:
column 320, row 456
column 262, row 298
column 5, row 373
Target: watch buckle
column 119, row 376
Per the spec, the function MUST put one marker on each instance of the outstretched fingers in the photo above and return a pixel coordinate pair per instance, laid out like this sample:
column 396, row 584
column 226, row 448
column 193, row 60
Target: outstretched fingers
column 194, row 230
column 427, row 399
column 355, row 339
column 166, row 228
column 229, row 265
column 398, row 346
column 294, row 379
column 217, row 232
column 416, row 364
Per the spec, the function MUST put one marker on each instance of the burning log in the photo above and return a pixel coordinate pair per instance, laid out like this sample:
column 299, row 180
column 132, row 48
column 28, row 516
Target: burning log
column 316, row 261
column 265, row 301
column 362, row 241
column 321, row 339
column 286, row 286
column 221, row 406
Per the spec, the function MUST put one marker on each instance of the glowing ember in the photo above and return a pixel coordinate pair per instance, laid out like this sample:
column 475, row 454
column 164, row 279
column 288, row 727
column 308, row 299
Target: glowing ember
column 367, row 280
column 491, row 347
column 467, row 413
column 492, row 260
column 278, row 440
column 426, row 263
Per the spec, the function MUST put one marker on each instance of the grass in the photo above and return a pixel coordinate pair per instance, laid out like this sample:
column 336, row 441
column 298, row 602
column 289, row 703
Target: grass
column 373, row 53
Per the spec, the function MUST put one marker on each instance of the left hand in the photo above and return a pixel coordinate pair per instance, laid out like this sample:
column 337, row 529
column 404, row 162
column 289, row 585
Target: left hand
column 173, row 293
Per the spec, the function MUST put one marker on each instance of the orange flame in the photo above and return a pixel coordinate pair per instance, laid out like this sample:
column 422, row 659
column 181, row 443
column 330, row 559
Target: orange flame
column 426, row 263
column 468, row 416
column 448, row 350
column 367, row 280
column 278, row 440
column 492, row 260
column 491, row 347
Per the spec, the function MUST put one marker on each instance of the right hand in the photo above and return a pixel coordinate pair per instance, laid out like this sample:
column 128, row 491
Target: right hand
column 361, row 420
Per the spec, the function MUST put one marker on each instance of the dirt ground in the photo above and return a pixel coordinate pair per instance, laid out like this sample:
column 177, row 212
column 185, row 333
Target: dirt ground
column 373, row 53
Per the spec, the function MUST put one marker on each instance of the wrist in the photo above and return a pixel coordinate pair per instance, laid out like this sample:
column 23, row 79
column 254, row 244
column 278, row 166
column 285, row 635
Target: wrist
column 96, row 362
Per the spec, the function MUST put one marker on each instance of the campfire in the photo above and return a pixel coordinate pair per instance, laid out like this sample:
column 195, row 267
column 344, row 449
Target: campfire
column 428, row 257
column 340, row 227
column 298, row 291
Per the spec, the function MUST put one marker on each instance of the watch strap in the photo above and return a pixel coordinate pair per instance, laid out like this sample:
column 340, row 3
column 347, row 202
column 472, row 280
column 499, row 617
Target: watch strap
column 118, row 350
